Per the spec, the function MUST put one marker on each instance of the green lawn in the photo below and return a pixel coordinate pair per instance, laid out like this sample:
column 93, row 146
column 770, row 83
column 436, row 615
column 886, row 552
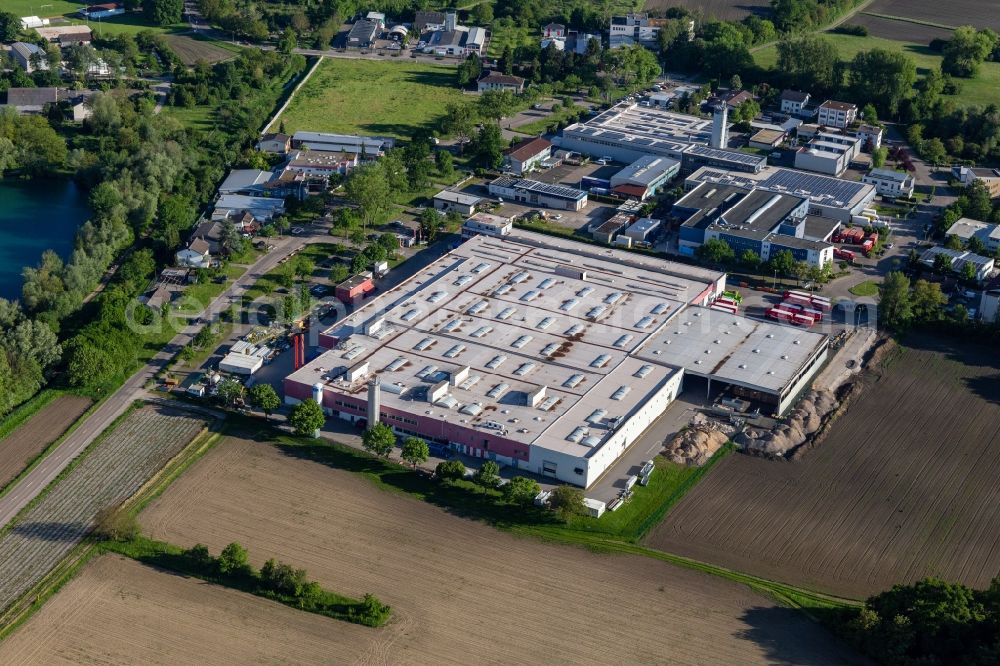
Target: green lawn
column 983, row 90
column 195, row 117
column 866, row 288
column 540, row 126
column 198, row 296
column 390, row 98
column 130, row 22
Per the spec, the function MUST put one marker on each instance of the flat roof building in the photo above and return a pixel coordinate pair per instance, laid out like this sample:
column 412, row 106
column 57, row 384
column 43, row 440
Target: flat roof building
column 965, row 229
column 627, row 132
column 486, row 224
column 543, row 353
column 371, row 146
column 890, row 183
column 535, row 193
column 645, row 176
column 983, row 266
column 828, row 197
column 460, row 201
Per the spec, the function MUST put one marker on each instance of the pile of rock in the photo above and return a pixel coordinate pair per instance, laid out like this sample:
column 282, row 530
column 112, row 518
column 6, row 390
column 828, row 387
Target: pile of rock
column 801, row 422
column 695, row 446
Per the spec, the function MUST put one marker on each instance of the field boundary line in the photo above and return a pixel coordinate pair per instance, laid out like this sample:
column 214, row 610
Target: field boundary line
column 53, row 445
column 23, row 412
column 907, row 19
column 135, row 406
column 291, row 95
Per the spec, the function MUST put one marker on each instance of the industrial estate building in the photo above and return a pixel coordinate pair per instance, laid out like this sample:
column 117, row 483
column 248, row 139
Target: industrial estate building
column 628, row 132
column 829, row 197
column 370, row 146
column 546, row 354
column 890, row 183
column 536, row 193
column 758, row 220
column 644, row 177
column 965, row 229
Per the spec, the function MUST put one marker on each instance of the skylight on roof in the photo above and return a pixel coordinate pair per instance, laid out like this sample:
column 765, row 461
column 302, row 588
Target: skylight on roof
column 573, row 380
column 521, row 341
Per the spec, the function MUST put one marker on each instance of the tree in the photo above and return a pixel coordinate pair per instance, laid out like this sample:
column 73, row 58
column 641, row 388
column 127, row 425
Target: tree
column 306, row 418
column 966, row 51
column 521, row 491
column 469, row 70
column 783, row 262
column 460, row 122
column 265, row 398
column 495, row 104
column 977, row 246
column 809, row 62
column 116, row 523
column 488, row 475
column 378, row 440
column 489, row 146
column 878, row 156
column 430, row 223
column 10, row 27
column 163, row 12
column 288, row 41
column 445, row 164
column 716, row 251
column 234, row 561
column 942, row 262
column 415, row 451
column 870, row 114
column 567, row 501
column 882, row 76
column 230, row 390
column 450, row 469
column 735, row 82
column 369, row 189
column 894, row 300
column 967, row 272
column 934, row 151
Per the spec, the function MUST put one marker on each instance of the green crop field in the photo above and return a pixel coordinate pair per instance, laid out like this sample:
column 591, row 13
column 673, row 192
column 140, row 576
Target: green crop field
column 392, row 97
column 982, row 90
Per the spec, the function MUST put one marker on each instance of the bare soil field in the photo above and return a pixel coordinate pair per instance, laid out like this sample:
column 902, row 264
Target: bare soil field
column 979, row 13
column 463, row 591
column 905, row 486
column 726, row 10
column 903, row 31
column 191, row 50
column 25, row 444
column 117, row 611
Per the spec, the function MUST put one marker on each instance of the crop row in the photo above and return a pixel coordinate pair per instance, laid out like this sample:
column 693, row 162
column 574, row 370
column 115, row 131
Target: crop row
column 114, row 470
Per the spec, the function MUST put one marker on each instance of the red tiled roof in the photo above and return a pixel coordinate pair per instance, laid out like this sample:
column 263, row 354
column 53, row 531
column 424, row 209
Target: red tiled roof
column 528, row 148
column 637, row 191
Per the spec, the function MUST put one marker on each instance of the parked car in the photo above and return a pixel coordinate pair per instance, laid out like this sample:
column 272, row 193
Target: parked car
column 297, row 230
column 557, row 216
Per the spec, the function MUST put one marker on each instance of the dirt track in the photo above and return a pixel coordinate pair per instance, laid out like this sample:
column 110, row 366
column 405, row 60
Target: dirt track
column 904, row 487
column 117, row 611
column 464, row 592
column 25, row 443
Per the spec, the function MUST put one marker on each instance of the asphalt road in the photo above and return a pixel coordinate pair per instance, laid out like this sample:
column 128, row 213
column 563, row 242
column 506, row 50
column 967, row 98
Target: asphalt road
column 134, row 388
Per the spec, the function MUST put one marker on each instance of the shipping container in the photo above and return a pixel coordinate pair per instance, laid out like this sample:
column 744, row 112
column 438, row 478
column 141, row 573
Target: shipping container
column 799, row 300
column 779, row 314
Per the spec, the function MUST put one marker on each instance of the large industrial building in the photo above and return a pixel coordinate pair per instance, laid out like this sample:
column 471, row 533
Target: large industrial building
column 546, row 354
column 828, row 197
column 757, row 220
column 628, row 132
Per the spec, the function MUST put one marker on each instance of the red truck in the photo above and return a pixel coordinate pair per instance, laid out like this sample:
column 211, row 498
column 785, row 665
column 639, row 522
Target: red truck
column 844, row 255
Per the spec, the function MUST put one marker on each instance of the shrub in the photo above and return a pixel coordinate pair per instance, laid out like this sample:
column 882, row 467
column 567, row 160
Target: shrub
column 116, row 523
column 450, row 469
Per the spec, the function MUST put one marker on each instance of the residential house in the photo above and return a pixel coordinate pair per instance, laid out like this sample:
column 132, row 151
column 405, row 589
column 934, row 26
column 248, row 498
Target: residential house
column 526, row 154
column 969, row 175
column 836, row 114
column 634, row 29
column 733, row 99
column 793, row 102
column 871, row 137
column 577, row 41
column 29, row 57
column 32, row 100
column 554, row 31
column 890, row 183
column 275, row 143
column 498, row 81
column 195, row 255
column 157, row 298
column 79, row 106
column 210, row 231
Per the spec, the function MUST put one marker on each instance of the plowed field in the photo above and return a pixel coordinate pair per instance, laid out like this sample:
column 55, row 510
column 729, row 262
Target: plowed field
column 463, row 592
column 724, row 10
column 117, row 611
column 30, row 439
column 904, row 487
column 979, row 13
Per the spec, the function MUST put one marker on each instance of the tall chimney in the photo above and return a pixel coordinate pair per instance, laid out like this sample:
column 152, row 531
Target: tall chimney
column 720, row 119
column 374, row 401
